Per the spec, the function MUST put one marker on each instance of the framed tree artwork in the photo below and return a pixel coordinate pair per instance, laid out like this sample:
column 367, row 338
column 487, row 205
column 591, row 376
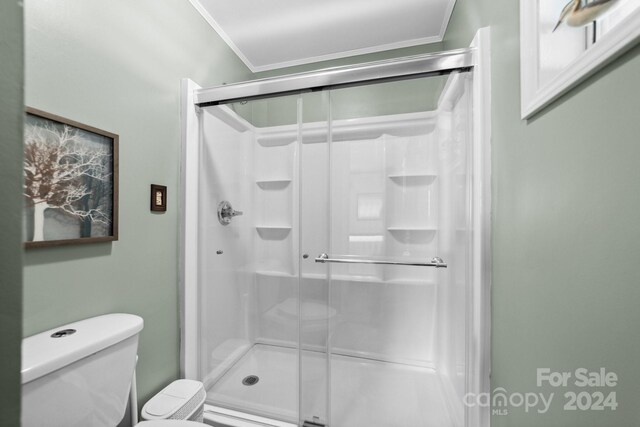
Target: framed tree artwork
column 70, row 182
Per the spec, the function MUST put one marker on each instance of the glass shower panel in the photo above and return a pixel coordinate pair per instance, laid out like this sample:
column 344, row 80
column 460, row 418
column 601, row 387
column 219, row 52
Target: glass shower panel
column 249, row 267
column 315, row 311
column 455, row 133
column 226, row 280
column 388, row 340
column 376, row 173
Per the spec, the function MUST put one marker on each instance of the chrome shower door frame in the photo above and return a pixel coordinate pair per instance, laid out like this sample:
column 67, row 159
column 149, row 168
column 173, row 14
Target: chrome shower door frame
column 477, row 58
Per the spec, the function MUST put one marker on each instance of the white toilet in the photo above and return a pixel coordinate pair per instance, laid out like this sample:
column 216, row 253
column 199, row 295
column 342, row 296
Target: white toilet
column 79, row 375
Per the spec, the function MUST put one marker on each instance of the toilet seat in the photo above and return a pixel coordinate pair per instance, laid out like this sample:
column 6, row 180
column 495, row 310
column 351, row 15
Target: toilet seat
column 170, row 423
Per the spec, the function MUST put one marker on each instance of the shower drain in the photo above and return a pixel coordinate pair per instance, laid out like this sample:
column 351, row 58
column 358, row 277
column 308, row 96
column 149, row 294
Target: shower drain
column 250, row 380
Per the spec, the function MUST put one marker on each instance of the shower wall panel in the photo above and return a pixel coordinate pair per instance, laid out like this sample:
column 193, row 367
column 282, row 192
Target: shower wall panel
column 383, row 206
column 455, row 135
column 226, row 252
column 275, row 156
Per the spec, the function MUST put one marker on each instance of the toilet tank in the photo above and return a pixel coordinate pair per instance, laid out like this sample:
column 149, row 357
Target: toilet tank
column 79, row 374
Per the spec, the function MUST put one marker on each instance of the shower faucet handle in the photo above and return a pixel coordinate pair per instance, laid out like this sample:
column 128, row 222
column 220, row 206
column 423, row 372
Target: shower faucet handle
column 226, row 212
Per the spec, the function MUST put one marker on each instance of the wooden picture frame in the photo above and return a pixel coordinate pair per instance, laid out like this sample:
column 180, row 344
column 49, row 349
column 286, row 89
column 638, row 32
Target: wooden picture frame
column 71, row 182
column 554, row 60
column 158, row 198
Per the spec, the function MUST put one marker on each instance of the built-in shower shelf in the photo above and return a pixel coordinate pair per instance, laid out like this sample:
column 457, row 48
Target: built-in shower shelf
column 270, row 180
column 274, row 274
column 273, row 184
column 370, row 279
column 342, row 277
column 356, row 278
column 276, row 139
column 273, row 232
column 413, row 229
column 413, row 235
column 314, row 276
column 410, row 282
column 426, row 177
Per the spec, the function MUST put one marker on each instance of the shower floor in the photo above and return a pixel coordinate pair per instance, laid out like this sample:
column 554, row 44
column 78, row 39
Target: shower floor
column 363, row 393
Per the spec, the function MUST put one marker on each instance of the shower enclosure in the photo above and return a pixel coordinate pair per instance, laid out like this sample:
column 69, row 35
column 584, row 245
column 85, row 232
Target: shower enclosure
column 334, row 264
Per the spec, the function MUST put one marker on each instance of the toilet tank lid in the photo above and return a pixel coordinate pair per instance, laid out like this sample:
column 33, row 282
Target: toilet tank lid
column 43, row 354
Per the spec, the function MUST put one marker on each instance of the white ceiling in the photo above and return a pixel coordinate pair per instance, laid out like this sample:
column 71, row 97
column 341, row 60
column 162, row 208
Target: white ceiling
column 270, row 34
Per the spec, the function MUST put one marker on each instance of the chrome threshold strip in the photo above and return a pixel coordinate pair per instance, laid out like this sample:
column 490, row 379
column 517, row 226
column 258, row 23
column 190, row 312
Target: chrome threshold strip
column 231, row 418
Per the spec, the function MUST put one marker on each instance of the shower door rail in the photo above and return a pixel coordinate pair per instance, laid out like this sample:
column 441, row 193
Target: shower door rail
column 434, row 262
column 377, row 71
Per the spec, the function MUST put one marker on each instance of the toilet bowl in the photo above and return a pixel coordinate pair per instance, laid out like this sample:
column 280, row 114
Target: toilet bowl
column 79, row 375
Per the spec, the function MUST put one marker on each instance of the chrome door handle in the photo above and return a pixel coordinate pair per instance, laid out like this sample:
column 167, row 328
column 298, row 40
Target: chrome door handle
column 434, row 262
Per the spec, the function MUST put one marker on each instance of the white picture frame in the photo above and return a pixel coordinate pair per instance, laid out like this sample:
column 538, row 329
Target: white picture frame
column 536, row 91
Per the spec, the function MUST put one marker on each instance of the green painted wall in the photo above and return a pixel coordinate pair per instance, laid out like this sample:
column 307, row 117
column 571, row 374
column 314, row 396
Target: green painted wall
column 566, row 227
column 11, row 107
column 566, row 233
column 118, row 67
column 357, row 59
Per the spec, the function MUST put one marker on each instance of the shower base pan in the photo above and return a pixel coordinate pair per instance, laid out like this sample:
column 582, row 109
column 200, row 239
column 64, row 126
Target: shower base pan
column 364, row 393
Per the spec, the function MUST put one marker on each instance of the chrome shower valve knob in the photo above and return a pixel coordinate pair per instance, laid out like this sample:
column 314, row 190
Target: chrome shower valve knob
column 226, row 212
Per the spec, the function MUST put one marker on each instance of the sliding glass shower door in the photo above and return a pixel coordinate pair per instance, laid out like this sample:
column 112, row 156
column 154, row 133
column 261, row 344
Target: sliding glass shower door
column 248, row 278
column 384, row 203
column 316, row 311
column 338, row 297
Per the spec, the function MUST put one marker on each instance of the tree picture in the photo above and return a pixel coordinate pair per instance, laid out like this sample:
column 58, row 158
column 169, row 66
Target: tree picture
column 70, row 181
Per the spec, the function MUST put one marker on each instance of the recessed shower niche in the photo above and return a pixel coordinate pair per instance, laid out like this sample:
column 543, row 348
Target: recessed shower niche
column 331, row 287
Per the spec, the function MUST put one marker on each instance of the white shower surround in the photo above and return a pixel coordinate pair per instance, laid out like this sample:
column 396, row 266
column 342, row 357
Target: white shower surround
column 477, row 380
